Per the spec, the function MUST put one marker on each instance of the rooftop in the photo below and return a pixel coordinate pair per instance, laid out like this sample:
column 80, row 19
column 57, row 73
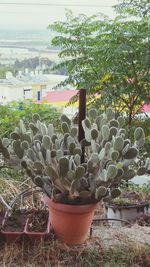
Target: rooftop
column 35, row 77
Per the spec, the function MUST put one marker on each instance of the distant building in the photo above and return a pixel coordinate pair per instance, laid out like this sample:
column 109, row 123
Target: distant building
column 28, row 85
column 40, row 89
column 60, row 99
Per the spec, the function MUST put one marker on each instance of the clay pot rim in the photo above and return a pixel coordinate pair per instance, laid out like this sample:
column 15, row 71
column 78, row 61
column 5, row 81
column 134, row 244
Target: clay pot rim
column 12, row 233
column 83, row 208
column 26, row 230
column 117, row 206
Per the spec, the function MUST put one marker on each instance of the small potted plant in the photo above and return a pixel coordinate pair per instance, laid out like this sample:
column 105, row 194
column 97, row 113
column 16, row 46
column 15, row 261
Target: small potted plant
column 2, row 212
column 13, row 225
column 1, row 217
column 3, row 207
column 133, row 202
column 75, row 175
column 37, row 225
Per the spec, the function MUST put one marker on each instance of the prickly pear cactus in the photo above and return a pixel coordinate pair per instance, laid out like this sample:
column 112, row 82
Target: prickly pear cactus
column 53, row 160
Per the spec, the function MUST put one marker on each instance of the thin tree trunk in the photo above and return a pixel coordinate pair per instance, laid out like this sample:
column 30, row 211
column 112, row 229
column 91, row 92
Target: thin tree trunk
column 129, row 123
column 82, row 115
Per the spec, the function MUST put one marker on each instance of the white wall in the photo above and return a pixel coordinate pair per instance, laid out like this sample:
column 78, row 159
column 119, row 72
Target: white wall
column 10, row 93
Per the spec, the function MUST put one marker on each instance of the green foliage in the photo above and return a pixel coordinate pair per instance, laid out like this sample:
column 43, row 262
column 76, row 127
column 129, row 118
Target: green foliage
column 109, row 58
column 54, row 162
column 144, row 123
column 143, row 191
column 4, row 69
column 31, row 64
column 11, row 115
column 138, row 8
column 133, row 194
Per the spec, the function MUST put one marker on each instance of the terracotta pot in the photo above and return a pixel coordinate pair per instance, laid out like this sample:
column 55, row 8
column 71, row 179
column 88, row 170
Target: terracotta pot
column 70, row 222
column 12, row 236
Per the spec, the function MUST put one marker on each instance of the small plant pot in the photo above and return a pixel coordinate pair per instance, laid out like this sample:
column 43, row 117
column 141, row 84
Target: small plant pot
column 71, row 223
column 125, row 212
column 37, row 226
column 2, row 213
column 13, row 226
column 1, row 221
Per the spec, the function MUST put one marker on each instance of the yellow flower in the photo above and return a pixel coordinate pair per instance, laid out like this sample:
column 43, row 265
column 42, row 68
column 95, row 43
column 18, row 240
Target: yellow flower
column 148, row 137
column 105, row 78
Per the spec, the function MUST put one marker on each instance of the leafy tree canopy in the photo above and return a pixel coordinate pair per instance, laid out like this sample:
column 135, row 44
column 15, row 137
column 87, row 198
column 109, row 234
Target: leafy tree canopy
column 140, row 8
column 109, row 58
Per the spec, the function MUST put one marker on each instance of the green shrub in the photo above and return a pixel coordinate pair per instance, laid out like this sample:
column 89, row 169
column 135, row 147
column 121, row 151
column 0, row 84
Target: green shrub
column 143, row 122
column 13, row 112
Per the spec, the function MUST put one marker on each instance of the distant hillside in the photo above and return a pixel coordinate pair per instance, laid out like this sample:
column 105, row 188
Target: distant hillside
column 25, row 38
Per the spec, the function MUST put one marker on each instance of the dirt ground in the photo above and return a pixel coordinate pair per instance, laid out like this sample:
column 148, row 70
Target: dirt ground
column 107, row 247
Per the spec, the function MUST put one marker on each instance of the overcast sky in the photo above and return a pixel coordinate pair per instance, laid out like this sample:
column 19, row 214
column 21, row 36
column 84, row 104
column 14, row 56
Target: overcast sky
column 38, row 14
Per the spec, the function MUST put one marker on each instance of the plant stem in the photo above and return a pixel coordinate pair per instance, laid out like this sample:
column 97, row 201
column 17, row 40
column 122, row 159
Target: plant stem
column 82, row 115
